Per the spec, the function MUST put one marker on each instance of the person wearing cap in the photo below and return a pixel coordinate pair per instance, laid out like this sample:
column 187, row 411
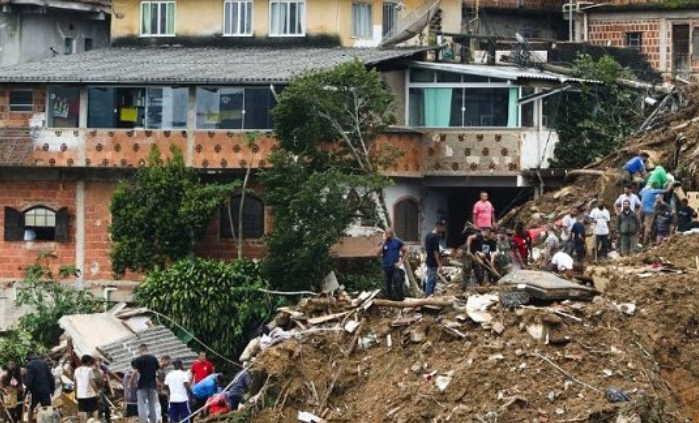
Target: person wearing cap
column 433, row 261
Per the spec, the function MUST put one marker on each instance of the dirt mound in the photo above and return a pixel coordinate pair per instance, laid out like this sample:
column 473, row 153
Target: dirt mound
column 435, row 364
column 680, row 250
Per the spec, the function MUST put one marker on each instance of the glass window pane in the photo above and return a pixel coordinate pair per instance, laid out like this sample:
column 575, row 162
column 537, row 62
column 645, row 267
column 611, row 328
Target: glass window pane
column 100, row 107
column 448, row 77
column 421, row 75
column 227, row 18
column 236, row 18
column 64, row 107
column 153, row 18
column 416, row 114
column 457, row 104
column 486, row 106
column 527, row 109
column 258, row 104
column 300, row 17
column 248, row 17
column 163, row 18
column 477, row 78
column 167, row 108
column 293, row 18
column 219, row 108
column 171, row 19
column 145, row 18
column 21, row 100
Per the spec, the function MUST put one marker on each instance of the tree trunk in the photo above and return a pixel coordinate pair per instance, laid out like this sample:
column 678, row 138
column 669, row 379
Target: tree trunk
column 240, row 210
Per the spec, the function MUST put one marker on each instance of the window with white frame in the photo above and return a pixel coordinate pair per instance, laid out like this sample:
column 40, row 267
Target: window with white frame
column 439, row 99
column 237, row 17
column 287, row 17
column 361, row 20
column 389, row 18
column 157, row 18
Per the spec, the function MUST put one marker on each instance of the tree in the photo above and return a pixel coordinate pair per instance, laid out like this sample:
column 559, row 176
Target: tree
column 327, row 172
column 218, row 301
column 48, row 300
column 160, row 213
column 348, row 105
column 594, row 122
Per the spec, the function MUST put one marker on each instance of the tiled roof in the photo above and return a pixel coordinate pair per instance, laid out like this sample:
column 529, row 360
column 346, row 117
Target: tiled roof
column 166, row 65
column 160, row 341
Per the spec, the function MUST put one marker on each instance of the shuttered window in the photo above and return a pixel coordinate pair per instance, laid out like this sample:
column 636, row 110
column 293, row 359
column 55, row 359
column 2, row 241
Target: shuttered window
column 406, row 217
column 36, row 224
column 253, row 217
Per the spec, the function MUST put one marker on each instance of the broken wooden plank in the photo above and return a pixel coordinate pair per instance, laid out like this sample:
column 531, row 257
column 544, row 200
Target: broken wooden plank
column 417, row 302
column 327, row 318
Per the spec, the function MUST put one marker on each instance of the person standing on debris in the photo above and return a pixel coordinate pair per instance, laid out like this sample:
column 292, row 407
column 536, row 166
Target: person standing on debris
column 164, row 369
column 483, row 212
column 12, row 390
column 686, row 216
column 628, row 225
column 433, row 261
column 202, row 367
column 146, row 366
column 600, row 216
column 566, row 226
column 663, row 220
column 503, row 257
column 130, row 400
column 87, row 385
column 479, row 247
column 178, row 383
column 522, row 242
column 648, row 201
column 636, row 166
column 392, row 251
column 40, row 383
column 630, row 196
column 551, row 243
column 577, row 233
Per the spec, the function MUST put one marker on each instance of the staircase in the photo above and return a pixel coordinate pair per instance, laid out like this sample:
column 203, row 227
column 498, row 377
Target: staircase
column 15, row 146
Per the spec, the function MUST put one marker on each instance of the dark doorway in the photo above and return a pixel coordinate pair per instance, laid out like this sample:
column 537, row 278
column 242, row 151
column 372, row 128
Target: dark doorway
column 680, row 48
column 460, row 205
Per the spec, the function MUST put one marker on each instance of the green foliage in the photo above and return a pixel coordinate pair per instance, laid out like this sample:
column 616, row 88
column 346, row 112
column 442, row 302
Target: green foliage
column 594, row 122
column 159, row 214
column 361, row 274
column 312, row 209
column 347, row 103
column 16, row 346
column 218, row 301
column 48, row 300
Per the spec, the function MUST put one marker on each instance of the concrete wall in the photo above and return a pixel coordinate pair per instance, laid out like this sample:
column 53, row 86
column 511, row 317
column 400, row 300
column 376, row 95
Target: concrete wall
column 25, row 37
column 204, row 18
column 537, row 148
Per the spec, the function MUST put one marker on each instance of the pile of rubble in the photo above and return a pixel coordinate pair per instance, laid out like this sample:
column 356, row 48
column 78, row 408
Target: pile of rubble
column 532, row 348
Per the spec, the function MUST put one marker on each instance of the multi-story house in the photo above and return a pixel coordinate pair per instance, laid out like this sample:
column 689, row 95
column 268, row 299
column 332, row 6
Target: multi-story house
column 32, row 30
column 199, row 74
column 666, row 32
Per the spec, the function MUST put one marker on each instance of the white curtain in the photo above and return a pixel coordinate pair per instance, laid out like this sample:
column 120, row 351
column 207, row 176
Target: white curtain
column 361, row 20
column 279, row 18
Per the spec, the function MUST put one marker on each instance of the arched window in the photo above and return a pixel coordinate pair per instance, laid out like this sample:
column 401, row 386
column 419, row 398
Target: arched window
column 406, row 220
column 38, row 223
column 253, row 217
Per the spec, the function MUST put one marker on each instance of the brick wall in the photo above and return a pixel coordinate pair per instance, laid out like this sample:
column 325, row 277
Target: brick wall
column 16, row 256
column 613, row 32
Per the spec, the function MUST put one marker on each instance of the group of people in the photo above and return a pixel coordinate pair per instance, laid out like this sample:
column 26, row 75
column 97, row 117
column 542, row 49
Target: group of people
column 647, row 217
column 155, row 389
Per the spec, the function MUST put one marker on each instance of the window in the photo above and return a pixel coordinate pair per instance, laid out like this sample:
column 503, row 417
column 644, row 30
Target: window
column 68, row 45
column 88, row 44
column 166, row 107
column 21, row 100
column 634, row 40
column 234, row 108
column 439, row 99
column 287, row 17
column 527, row 110
column 64, row 107
column 157, row 18
column 390, row 18
column 36, row 224
column 253, row 218
column 237, row 17
column 361, row 20
column 137, row 107
column 406, row 218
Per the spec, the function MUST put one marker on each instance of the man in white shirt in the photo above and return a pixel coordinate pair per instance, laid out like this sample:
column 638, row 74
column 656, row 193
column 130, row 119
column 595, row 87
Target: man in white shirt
column 600, row 215
column 562, row 262
column 567, row 225
column 86, row 386
column 178, row 385
column 633, row 199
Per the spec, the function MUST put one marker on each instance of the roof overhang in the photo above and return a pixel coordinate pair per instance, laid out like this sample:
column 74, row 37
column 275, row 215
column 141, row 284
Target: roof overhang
column 509, row 73
column 103, row 6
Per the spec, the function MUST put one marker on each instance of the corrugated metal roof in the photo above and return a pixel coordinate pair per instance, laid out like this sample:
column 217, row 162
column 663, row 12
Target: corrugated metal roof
column 160, row 341
column 511, row 73
column 168, row 65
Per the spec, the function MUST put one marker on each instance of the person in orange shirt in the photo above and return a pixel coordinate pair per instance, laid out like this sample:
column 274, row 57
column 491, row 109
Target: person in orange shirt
column 201, row 367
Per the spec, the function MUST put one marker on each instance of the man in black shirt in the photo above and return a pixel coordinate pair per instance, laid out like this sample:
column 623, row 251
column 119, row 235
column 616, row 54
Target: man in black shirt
column 40, row 383
column 685, row 217
column 146, row 366
column 433, row 260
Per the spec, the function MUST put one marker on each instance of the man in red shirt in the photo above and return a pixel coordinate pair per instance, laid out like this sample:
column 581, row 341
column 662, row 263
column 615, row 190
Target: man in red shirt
column 201, row 367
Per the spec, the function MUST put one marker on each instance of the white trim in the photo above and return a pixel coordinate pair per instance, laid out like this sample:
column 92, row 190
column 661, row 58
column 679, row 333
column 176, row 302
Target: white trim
column 303, row 19
column 158, row 2
column 251, row 18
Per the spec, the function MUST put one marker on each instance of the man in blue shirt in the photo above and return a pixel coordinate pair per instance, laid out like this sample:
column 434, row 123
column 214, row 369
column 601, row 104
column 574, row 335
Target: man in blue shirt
column 392, row 248
column 637, row 165
column 648, row 196
column 433, row 261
